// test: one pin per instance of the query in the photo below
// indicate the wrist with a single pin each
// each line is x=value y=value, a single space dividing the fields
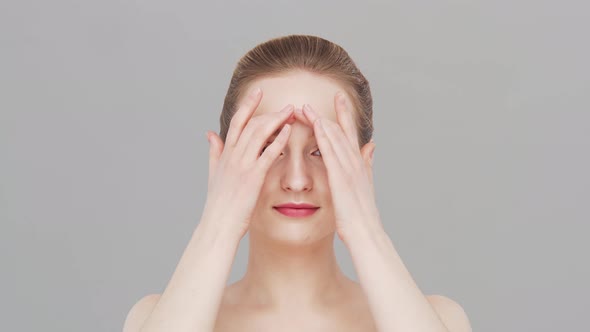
x=365 y=234
x=215 y=232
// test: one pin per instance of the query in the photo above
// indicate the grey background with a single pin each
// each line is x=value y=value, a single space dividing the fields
x=482 y=127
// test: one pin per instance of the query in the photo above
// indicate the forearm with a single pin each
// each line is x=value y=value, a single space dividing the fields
x=395 y=300
x=193 y=295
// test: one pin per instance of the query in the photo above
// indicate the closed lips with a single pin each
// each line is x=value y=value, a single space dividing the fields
x=297 y=206
x=296 y=210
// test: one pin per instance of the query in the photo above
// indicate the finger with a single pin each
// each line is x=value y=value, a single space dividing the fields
x=370 y=175
x=215 y=149
x=298 y=115
x=328 y=155
x=274 y=149
x=367 y=152
x=344 y=114
x=292 y=118
x=310 y=114
x=339 y=142
x=369 y=168
x=242 y=115
x=259 y=130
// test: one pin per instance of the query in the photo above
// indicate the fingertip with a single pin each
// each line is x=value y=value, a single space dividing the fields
x=301 y=117
x=340 y=99
x=291 y=119
x=286 y=128
x=309 y=113
x=318 y=122
x=287 y=109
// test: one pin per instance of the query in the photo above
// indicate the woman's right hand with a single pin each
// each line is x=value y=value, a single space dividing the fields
x=237 y=169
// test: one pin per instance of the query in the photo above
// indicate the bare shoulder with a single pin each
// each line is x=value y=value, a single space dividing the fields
x=139 y=312
x=451 y=313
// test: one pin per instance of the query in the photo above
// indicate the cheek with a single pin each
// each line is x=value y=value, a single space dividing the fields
x=317 y=166
x=320 y=172
x=271 y=184
x=322 y=186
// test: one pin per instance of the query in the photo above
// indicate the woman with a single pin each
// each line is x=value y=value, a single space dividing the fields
x=292 y=165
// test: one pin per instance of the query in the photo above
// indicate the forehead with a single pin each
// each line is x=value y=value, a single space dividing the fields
x=297 y=88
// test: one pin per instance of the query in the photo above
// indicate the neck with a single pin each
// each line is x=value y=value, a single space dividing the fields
x=292 y=276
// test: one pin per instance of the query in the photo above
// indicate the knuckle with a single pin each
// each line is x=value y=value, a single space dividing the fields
x=233 y=163
x=254 y=121
x=349 y=179
x=260 y=134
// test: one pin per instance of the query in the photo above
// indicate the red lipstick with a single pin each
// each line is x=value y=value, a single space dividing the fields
x=296 y=210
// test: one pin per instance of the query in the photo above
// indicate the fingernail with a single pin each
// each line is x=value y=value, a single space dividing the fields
x=256 y=92
x=287 y=108
x=298 y=110
x=319 y=122
x=208 y=139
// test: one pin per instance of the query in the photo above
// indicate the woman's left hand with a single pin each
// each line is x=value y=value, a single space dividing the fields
x=349 y=169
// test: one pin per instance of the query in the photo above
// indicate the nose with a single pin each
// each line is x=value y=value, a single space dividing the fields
x=296 y=175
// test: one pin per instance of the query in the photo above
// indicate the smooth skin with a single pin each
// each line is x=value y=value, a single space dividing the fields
x=293 y=282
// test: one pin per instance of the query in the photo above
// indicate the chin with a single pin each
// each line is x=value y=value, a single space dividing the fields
x=292 y=231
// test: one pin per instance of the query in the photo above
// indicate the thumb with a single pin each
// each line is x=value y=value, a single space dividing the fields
x=215 y=149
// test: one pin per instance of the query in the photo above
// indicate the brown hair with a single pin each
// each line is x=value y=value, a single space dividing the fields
x=301 y=52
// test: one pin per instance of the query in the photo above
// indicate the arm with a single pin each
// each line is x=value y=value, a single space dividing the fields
x=395 y=300
x=139 y=312
x=191 y=300
x=193 y=296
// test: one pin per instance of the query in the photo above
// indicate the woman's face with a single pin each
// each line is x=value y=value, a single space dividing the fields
x=298 y=175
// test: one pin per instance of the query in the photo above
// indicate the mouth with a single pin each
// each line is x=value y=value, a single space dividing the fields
x=295 y=212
